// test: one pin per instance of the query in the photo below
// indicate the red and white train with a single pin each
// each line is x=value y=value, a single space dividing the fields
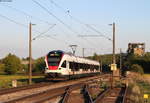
x=63 y=65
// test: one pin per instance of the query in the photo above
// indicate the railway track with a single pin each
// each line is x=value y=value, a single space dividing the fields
x=19 y=92
x=16 y=89
x=46 y=95
x=115 y=95
x=37 y=85
x=112 y=95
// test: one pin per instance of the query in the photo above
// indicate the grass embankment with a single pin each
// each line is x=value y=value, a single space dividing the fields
x=145 y=85
x=6 y=80
x=145 y=89
x=138 y=86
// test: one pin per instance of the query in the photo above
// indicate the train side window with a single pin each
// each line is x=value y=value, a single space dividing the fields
x=71 y=65
x=64 y=64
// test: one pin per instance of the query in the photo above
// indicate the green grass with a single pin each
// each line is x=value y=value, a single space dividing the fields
x=6 y=80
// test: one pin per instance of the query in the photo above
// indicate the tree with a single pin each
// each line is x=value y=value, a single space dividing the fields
x=12 y=64
x=39 y=65
x=2 y=68
x=96 y=57
x=137 y=68
x=106 y=60
x=143 y=61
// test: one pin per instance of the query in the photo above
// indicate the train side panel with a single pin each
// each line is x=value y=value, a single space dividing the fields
x=71 y=66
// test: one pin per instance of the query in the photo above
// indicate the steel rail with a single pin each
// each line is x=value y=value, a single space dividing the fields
x=102 y=95
x=125 y=95
x=88 y=80
x=66 y=96
x=87 y=95
x=16 y=89
x=51 y=93
x=121 y=97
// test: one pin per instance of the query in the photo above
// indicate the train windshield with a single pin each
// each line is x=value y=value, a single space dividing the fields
x=54 y=58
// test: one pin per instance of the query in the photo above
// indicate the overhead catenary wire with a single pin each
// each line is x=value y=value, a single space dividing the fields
x=40 y=33
x=5 y=17
x=51 y=14
x=59 y=40
x=79 y=21
x=43 y=32
x=82 y=23
x=75 y=19
x=66 y=11
x=26 y=26
x=51 y=1
x=98 y=32
x=26 y=14
x=23 y=25
x=67 y=26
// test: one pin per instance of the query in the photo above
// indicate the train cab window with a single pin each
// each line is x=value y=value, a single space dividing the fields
x=64 y=64
x=53 y=63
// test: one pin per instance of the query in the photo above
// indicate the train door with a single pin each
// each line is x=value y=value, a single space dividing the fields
x=68 y=69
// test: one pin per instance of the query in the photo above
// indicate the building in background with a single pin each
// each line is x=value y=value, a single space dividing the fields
x=136 y=48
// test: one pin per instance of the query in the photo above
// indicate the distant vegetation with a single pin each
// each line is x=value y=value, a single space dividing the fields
x=137 y=68
x=129 y=62
x=12 y=64
x=39 y=65
x=106 y=60
x=143 y=61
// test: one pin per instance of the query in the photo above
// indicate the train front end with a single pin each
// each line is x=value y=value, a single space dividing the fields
x=53 y=60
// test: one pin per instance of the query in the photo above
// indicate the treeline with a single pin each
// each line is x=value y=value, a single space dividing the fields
x=143 y=62
x=11 y=64
x=130 y=62
x=105 y=60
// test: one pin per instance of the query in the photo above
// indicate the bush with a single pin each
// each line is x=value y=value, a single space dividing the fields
x=39 y=65
x=12 y=64
x=137 y=68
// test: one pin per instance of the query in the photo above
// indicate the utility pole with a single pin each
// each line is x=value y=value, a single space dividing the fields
x=30 y=53
x=113 y=65
x=114 y=58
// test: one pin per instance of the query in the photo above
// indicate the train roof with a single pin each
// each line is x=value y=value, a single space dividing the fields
x=59 y=51
x=72 y=56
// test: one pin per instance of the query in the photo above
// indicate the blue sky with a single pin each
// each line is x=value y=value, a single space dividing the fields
x=132 y=20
